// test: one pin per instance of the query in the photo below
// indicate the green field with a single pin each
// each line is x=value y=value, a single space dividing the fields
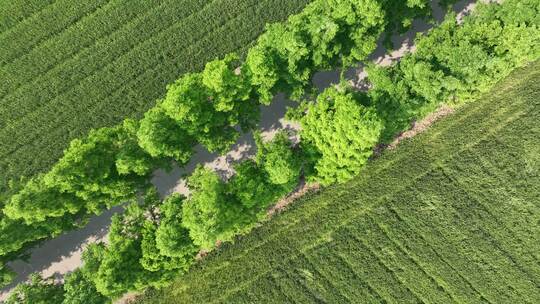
x=450 y=216
x=68 y=66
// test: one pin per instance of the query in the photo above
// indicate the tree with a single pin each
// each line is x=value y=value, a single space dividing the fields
x=278 y=158
x=340 y=32
x=211 y=214
x=117 y=266
x=37 y=291
x=209 y=104
x=400 y=15
x=251 y=187
x=343 y=130
x=162 y=136
x=279 y=62
x=166 y=245
x=79 y=289
x=172 y=239
x=324 y=35
x=103 y=170
x=36 y=202
x=89 y=170
x=164 y=268
x=132 y=260
x=230 y=91
x=455 y=63
x=92 y=257
x=119 y=270
x=131 y=158
x=16 y=235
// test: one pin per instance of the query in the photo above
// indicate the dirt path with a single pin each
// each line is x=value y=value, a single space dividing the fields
x=63 y=254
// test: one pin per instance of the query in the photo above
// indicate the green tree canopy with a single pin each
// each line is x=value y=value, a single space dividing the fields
x=16 y=235
x=172 y=239
x=251 y=187
x=211 y=214
x=456 y=62
x=36 y=202
x=6 y=275
x=208 y=105
x=99 y=170
x=117 y=263
x=279 y=159
x=343 y=131
x=162 y=136
x=132 y=260
x=80 y=289
x=324 y=35
x=37 y=291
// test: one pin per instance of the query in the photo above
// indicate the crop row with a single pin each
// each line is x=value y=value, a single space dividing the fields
x=122 y=74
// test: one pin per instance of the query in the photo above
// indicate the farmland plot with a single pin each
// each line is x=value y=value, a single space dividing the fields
x=449 y=216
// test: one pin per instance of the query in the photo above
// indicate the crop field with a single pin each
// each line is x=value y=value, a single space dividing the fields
x=449 y=216
x=68 y=66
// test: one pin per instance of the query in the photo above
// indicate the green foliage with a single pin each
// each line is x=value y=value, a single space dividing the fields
x=400 y=14
x=420 y=224
x=118 y=268
x=103 y=170
x=111 y=164
x=37 y=291
x=279 y=160
x=151 y=242
x=208 y=105
x=323 y=35
x=251 y=187
x=131 y=159
x=343 y=131
x=36 y=202
x=6 y=275
x=172 y=239
x=211 y=214
x=161 y=136
x=79 y=289
x=88 y=169
x=166 y=245
x=219 y=210
x=133 y=259
x=17 y=236
x=456 y=63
